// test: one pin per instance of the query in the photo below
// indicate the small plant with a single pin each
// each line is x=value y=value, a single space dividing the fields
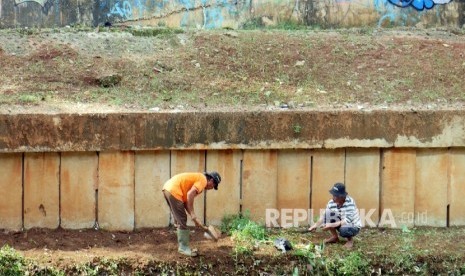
x=27 y=31
x=353 y=264
x=312 y=256
x=246 y=233
x=252 y=24
x=230 y=223
x=11 y=262
x=150 y=32
x=28 y=98
x=289 y=25
x=297 y=128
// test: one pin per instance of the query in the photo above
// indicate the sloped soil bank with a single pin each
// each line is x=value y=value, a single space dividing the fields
x=154 y=252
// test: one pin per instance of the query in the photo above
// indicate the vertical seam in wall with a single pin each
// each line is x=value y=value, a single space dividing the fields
x=415 y=207
x=345 y=167
x=59 y=190
x=276 y=176
x=134 y=189
x=169 y=172
x=205 y=194
x=311 y=189
x=22 y=190
x=240 y=181
x=96 y=224
x=449 y=179
x=380 y=181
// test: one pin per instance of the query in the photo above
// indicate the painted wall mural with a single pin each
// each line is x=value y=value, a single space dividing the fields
x=418 y=4
x=390 y=14
x=44 y=4
x=212 y=14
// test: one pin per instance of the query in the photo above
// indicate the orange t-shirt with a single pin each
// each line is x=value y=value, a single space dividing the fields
x=181 y=183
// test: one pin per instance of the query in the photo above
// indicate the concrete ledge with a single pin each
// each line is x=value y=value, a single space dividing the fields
x=231 y=130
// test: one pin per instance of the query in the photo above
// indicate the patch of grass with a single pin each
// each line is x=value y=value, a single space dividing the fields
x=355 y=263
x=246 y=233
x=252 y=24
x=311 y=255
x=150 y=32
x=27 y=31
x=289 y=25
x=11 y=262
x=100 y=266
x=29 y=98
x=233 y=222
x=257 y=67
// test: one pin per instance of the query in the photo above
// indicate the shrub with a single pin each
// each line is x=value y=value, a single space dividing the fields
x=11 y=262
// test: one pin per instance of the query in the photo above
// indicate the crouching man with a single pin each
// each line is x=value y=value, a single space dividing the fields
x=341 y=215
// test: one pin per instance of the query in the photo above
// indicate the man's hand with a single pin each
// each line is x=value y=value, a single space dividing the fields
x=197 y=222
x=328 y=226
x=313 y=228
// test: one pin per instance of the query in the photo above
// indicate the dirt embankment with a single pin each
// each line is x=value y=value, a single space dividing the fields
x=117 y=69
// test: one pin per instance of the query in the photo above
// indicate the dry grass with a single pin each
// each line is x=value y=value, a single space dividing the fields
x=242 y=69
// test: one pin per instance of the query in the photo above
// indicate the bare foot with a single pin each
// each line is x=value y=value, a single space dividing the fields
x=349 y=244
x=333 y=239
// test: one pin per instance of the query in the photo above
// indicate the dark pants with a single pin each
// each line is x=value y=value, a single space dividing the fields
x=346 y=231
x=177 y=210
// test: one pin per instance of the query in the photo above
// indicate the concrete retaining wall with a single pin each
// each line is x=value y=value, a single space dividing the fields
x=230 y=130
x=211 y=14
x=106 y=170
x=122 y=192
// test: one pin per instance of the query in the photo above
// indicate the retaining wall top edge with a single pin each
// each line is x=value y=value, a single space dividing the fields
x=232 y=130
x=252 y=111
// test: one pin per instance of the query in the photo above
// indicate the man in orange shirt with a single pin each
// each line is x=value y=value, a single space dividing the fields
x=180 y=192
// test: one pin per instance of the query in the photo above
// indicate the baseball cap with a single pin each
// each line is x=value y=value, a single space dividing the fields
x=216 y=178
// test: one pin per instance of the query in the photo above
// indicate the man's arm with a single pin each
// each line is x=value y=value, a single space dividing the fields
x=335 y=224
x=316 y=225
x=190 y=205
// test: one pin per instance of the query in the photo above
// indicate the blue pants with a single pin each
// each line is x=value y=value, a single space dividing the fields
x=345 y=231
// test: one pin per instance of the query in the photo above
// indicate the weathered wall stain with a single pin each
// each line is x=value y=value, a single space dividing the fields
x=45 y=4
x=211 y=14
x=230 y=130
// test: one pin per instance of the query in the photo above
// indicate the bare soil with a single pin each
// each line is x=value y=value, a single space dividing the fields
x=154 y=251
x=69 y=248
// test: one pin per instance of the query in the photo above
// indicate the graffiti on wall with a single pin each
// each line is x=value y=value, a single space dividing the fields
x=213 y=11
x=212 y=14
x=409 y=15
x=45 y=4
x=121 y=10
x=418 y=4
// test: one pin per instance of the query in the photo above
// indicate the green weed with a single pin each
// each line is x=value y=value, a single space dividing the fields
x=234 y=222
x=355 y=263
x=311 y=255
x=297 y=128
x=11 y=262
x=252 y=24
x=246 y=233
x=150 y=32
x=29 y=98
x=289 y=25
